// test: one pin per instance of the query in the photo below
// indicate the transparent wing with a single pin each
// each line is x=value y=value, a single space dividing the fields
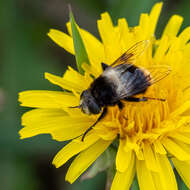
x=132 y=53
x=157 y=73
x=143 y=79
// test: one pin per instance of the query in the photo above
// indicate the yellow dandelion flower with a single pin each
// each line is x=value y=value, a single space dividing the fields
x=155 y=134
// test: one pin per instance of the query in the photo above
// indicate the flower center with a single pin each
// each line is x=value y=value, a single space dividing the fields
x=145 y=116
x=142 y=121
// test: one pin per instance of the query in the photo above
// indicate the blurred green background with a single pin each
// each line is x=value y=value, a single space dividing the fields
x=26 y=53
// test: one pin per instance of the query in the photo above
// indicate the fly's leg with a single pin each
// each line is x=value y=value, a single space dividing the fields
x=149 y=98
x=134 y=99
x=120 y=105
x=143 y=99
x=91 y=127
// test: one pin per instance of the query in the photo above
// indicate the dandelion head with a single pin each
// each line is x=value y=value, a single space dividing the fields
x=149 y=135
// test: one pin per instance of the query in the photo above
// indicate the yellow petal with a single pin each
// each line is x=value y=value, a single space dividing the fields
x=144 y=24
x=139 y=154
x=85 y=159
x=123 y=180
x=110 y=37
x=78 y=80
x=123 y=158
x=157 y=181
x=159 y=148
x=173 y=26
x=132 y=144
x=54 y=121
x=126 y=37
x=106 y=134
x=183 y=124
x=123 y=26
x=161 y=50
x=175 y=149
x=166 y=174
x=163 y=179
x=183 y=169
x=150 y=159
x=72 y=149
x=184 y=36
x=66 y=82
x=91 y=70
x=154 y=15
x=183 y=146
x=69 y=133
x=181 y=137
x=62 y=82
x=47 y=99
x=106 y=28
x=62 y=40
x=144 y=176
x=182 y=109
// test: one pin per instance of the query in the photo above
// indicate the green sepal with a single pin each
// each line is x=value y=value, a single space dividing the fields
x=104 y=163
x=181 y=185
x=80 y=51
x=135 y=185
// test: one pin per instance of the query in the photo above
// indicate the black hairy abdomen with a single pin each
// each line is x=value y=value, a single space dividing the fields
x=103 y=91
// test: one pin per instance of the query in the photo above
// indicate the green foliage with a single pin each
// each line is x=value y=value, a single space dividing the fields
x=80 y=51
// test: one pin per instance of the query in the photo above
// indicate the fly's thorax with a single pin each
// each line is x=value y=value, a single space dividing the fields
x=103 y=90
x=117 y=78
x=112 y=76
x=88 y=103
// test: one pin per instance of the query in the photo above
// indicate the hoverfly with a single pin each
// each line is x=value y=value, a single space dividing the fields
x=120 y=81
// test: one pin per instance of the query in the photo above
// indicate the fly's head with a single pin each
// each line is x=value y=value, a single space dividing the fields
x=88 y=104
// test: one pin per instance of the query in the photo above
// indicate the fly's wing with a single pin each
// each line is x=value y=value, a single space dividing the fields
x=141 y=79
x=132 y=54
x=158 y=72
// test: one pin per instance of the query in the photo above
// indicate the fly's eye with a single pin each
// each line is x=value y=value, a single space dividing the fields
x=94 y=108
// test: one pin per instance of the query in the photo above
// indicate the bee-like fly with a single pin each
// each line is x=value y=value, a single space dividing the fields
x=120 y=81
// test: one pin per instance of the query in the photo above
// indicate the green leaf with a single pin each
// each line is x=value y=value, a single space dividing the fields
x=135 y=185
x=80 y=51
